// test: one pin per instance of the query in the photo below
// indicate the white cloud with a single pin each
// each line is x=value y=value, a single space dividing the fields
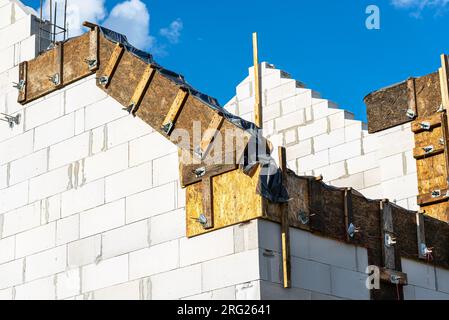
x=129 y=17
x=133 y=19
x=173 y=31
x=417 y=6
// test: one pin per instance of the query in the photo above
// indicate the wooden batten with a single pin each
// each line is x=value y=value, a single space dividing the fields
x=174 y=112
x=388 y=236
x=139 y=92
x=444 y=81
x=285 y=225
x=22 y=85
x=93 y=61
x=112 y=64
x=210 y=134
x=426 y=124
x=348 y=212
x=421 y=235
x=208 y=203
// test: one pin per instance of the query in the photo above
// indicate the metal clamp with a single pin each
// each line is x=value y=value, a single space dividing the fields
x=428 y=149
x=395 y=279
x=131 y=109
x=425 y=126
x=12 y=120
x=411 y=114
x=103 y=80
x=436 y=194
x=389 y=240
x=55 y=79
x=92 y=63
x=303 y=218
x=167 y=128
x=198 y=152
x=200 y=172
x=20 y=85
x=352 y=230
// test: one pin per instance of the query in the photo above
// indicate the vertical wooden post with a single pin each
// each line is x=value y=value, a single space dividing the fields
x=444 y=72
x=285 y=228
x=258 y=103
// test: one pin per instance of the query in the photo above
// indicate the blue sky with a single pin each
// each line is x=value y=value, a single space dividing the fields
x=323 y=43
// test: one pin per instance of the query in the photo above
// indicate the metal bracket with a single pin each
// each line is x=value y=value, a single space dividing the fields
x=436 y=193
x=428 y=149
x=92 y=63
x=411 y=114
x=425 y=126
x=200 y=172
x=103 y=80
x=55 y=79
x=389 y=240
x=353 y=230
x=12 y=120
x=167 y=128
x=20 y=85
x=303 y=218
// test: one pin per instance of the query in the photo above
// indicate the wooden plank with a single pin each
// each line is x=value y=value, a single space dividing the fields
x=57 y=76
x=348 y=212
x=175 y=110
x=208 y=205
x=445 y=127
x=387 y=232
x=113 y=62
x=427 y=151
x=258 y=115
x=444 y=82
x=426 y=124
x=285 y=226
x=210 y=134
x=412 y=107
x=421 y=235
x=432 y=198
x=93 y=59
x=189 y=173
x=22 y=85
x=140 y=90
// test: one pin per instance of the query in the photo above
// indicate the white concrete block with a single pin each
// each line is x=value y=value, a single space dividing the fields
x=67 y=230
x=372 y=177
x=396 y=142
x=79 y=121
x=102 y=112
x=337 y=120
x=12 y=273
x=6 y=132
x=69 y=151
x=100 y=219
x=227 y=271
x=272 y=111
x=27 y=49
x=153 y=260
x=349 y=284
x=374 y=192
x=3 y=176
x=15 y=32
x=150 y=203
x=106 y=163
x=105 y=274
x=83 y=94
x=7 y=294
x=363 y=163
x=125 y=239
x=286 y=90
x=42 y=289
x=246 y=106
x=347 y=151
x=409 y=163
x=401 y=188
x=165 y=169
x=216 y=295
x=316 y=128
x=329 y=140
x=314 y=161
x=392 y=167
x=244 y=90
x=168 y=226
x=126 y=129
x=45 y=135
x=50 y=183
x=370 y=143
x=84 y=198
x=290 y=137
x=332 y=171
x=5 y=14
x=36 y=240
x=353 y=131
x=332 y=252
x=84 y=252
x=248 y=291
x=311 y=275
x=149 y=147
x=44 y=111
x=302 y=149
x=6 y=58
x=206 y=247
x=362 y=259
x=291 y=120
x=14 y=197
x=299 y=243
x=7 y=249
x=165 y=286
x=419 y=274
x=124 y=291
x=16 y=147
x=354 y=181
x=21 y=219
x=274 y=291
x=28 y=167
x=68 y=284
x=46 y=263
x=442 y=277
x=98 y=140
x=128 y=182
x=426 y=294
x=246 y=236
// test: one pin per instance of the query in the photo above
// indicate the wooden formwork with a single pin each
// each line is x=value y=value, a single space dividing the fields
x=223 y=193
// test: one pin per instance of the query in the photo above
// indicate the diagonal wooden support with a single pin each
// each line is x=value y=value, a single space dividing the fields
x=140 y=90
x=113 y=62
x=285 y=227
x=209 y=135
x=175 y=110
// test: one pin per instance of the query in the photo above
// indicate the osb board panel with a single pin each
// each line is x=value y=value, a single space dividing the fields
x=234 y=201
x=438 y=211
x=437 y=237
x=75 y=52
x=428 y=94
x=429 y=138
x=44 y=66
x=387 y=108
x=431 y=174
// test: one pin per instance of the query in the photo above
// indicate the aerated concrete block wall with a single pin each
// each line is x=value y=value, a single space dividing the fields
x=322 y=139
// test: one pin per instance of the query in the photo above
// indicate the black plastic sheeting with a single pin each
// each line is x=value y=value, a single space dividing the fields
x=270 y=179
